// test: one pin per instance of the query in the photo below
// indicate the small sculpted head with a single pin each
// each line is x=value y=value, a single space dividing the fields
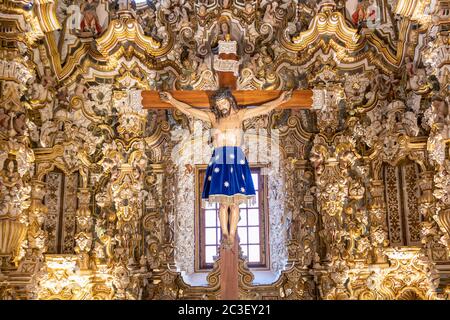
x=223 y=103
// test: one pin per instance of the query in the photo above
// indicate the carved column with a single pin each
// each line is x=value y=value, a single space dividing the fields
x=83 y=238
x=16 y=157
x=378 y=227
x=299 y=201
x=38 y=211
x=435 y=58
x=442 y=194
x=126 y=160
x=429 y=229
x=443 y=218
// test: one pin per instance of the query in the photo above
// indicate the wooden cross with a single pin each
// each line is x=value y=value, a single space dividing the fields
x=228 y=258
x=226 y=64
x=301 y=99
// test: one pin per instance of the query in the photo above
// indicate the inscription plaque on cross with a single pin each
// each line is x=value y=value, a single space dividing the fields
x=226 y=65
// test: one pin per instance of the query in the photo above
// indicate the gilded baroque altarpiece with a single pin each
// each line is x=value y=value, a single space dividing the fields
x=97 y=194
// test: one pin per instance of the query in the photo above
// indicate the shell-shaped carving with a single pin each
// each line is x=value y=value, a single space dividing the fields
x=444 y=219
x=128 y=30
x=11 y=235
x=409 y=294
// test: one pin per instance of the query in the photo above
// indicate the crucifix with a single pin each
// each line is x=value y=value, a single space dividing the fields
x=228 y=180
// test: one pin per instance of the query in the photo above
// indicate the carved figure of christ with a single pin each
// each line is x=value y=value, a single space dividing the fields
x=228 y=180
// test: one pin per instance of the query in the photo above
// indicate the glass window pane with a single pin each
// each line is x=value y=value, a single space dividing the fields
x=255 y=180
x=244 y=251
x=253 y=235
x=255 y=203
x=253 y=217
x=210 y=218
x=242 y=232
x=249 y=216
x=210 y=252
x=253 y=253
x=210 y=236
x=243 y=218
x=219 y=235
x=210 y=205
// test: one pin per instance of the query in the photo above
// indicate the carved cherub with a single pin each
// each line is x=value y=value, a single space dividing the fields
x=20 y=124
x=262 y=61
x=190 y=64
x=63 y=97
x=10 y=177
x=81 y=88
x=410 y=67
x=442 y=116
x=440 y=109
x=47 y=80
x=381 y=83
x=4 y=120
x=38 y=92
x=317 y=160
x=419 y=79
x=202 y=11
x=269 y=13
x=248 y=8
x=226 y=4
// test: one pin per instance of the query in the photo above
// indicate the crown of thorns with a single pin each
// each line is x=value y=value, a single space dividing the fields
x=223 y=94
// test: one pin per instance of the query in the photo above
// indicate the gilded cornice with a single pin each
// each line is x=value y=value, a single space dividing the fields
x=85 y=58
x=45 y=11
x=411 y=8
x=73 y=59
x=91 y=66
x=26 y=27
x=342 y=55
x=326 y=23
x=345 y=41
x=40 y=19
x=126 y=30
x=414 y=148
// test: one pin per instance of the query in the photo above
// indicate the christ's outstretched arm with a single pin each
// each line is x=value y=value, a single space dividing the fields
x=185 y=108
x=267 y=107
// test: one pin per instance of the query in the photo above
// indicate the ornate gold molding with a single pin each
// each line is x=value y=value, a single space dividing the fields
x=344 y=40
x=326 y=23
x=46 y=14
x=126 y=30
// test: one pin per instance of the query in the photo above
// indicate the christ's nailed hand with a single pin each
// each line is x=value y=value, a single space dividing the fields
x=286 y=95
x=165 y=96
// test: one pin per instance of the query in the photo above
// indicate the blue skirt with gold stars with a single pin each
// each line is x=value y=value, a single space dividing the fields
x=228 y=178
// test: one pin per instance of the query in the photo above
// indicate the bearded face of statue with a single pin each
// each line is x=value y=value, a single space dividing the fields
x=224 y=107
